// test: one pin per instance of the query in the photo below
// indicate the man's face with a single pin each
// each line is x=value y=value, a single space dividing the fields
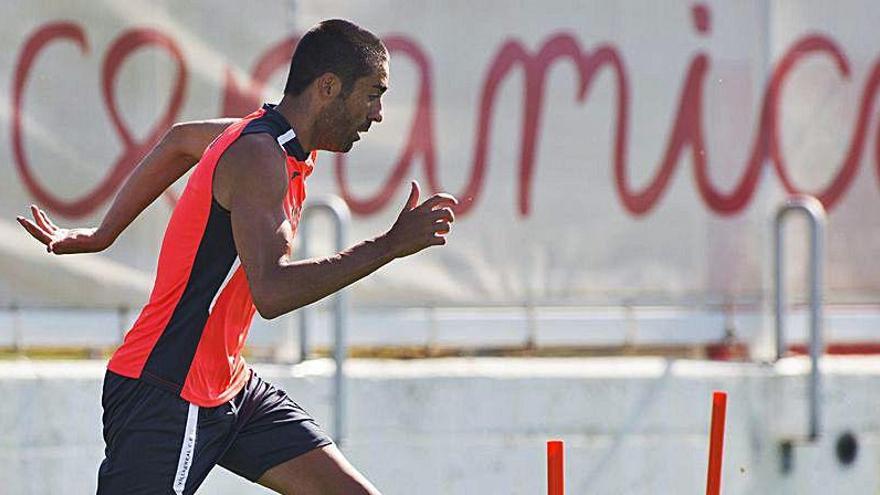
x=346 y=117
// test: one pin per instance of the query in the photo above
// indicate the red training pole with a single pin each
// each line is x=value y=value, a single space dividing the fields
x=716 y=443
x=555 y=468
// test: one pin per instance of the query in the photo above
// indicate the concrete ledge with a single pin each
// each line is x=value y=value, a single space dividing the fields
x=478 y=425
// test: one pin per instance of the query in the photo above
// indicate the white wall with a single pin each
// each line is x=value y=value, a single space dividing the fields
x=478 y=426
x=581 y=238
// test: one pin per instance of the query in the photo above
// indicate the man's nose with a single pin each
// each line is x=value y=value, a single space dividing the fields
x=376 y=112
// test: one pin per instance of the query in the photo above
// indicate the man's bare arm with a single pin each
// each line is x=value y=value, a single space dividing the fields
x=176 y=153
x=251 y=181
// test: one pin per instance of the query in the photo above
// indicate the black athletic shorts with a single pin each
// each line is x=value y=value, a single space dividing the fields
x=158 y=443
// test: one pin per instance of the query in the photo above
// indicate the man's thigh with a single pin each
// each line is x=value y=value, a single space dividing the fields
x=323 y=471
x=280 y=446
x=270 y=429
x=155 y=441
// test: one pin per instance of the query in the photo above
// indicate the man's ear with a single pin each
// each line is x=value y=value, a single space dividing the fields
x=329 y=86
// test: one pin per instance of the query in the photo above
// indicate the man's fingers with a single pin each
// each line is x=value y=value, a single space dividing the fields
x=437 y=240
x=47 y=220
x=439 y=200
x=442 y=227
x=34 y=230
x=35 y=212
x=444 y=214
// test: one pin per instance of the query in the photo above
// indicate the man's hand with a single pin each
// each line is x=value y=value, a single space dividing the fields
x=63 y=241
x=422 y=226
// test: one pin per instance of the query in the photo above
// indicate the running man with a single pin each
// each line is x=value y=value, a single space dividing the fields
x=178 y=397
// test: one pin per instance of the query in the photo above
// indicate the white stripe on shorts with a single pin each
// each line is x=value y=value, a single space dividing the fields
x=187 y=450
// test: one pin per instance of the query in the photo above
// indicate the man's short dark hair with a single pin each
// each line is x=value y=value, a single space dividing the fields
x=336 y=46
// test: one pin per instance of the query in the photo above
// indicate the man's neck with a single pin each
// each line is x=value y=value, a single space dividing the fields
x=296 y=110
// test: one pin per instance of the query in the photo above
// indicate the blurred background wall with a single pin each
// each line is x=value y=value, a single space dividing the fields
x=605 y=152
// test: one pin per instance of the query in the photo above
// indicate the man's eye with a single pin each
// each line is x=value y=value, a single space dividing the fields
x=375 y=97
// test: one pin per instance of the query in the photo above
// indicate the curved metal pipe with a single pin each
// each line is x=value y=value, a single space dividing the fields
x=341 y=215
x=817 y=217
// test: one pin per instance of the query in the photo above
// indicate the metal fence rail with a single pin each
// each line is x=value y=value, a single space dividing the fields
x=339 y=212
x=815 y=213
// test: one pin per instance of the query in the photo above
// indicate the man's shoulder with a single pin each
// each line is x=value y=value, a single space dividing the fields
x=253 y=147
x=252 y=164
